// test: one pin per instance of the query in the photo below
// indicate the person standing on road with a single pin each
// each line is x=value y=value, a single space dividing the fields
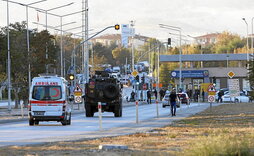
x=162 y=94
x=155 y=94
x=203 y=95
x=172 y=98
x=148 y=93
x=220 y=94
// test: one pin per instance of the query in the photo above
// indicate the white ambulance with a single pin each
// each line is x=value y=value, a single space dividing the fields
x=48 y=100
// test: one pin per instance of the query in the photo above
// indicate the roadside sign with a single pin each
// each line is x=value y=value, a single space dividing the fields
x=211 y=98
x=134 y=73
x=77 y=88
x=211 y=89
x=233 y=87
x=77 y=93
x=78 y=99
x=231 y=74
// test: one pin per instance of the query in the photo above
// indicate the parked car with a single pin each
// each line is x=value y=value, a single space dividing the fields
x=241 y=98
x=184 y=98
x=165 y=101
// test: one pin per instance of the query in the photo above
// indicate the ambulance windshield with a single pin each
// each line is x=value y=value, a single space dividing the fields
x=45 y=93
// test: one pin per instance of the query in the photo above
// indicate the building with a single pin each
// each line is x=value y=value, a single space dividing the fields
x=109 y=39
x=207 y=39
x=192 y=78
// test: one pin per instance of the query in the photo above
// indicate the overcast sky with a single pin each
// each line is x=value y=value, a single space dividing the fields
x=195 y=17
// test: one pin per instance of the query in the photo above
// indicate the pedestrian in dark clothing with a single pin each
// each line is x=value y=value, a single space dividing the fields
x=162 y=94
x=148 y=93
x=132 y=96
x=220 y=94
x=155 y=94
x=172 y=98
x=203 y=95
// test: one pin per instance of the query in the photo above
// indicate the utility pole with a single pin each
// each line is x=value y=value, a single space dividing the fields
x=132 y=44
x=86 y=43
x=9 y=59
x=83 y=38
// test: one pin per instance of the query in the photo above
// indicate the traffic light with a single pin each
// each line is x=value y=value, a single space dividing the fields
x=71 y=76
x=137 y=78
x=169 y=41
x=117 y=26
x=214 y=80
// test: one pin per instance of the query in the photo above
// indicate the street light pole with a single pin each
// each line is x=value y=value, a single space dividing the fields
x=27 y=34
x=252 y=36
x=46 y=22
x=247 y=39
x=132 y=45
x=61 y=38
x=9 y=59
x=86 y=50
x=28 y=42
x=178 y=29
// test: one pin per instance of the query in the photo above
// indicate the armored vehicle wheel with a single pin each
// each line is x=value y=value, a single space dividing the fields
x=118 y=111
x=36 y=122
x=31 y=122
x=111 y=91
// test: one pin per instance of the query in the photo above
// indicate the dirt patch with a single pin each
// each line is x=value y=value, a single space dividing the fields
x=232 y=123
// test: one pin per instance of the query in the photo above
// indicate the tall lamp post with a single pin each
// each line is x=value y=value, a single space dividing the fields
x=247 y=49
x=132 y=44
x=46 y=22
x=27 y=36
x=252 y=36
x=178 y=29
x=9 y=58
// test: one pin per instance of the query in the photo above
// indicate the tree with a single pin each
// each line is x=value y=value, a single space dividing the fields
x=39 y=42
x=106 y=52
x=120 y=55
x=227 y=43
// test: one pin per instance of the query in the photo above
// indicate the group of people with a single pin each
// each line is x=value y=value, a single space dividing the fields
x=162 y=92
x=196 y=95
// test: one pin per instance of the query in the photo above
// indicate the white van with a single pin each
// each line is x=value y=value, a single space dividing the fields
x=48 y=100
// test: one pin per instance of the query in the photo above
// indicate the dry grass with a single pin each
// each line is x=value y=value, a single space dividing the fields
x=226 y=130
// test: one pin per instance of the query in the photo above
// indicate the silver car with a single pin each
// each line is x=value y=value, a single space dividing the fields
x=166 y=102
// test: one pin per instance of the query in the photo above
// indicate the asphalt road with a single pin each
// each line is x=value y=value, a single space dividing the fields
x=20 y=133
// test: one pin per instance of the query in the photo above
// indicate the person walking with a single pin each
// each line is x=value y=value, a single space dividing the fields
x=220 y=94
x=148 y=93
x=161 y=92
x=155 y=94
x=172 y=98
x=203 y=95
